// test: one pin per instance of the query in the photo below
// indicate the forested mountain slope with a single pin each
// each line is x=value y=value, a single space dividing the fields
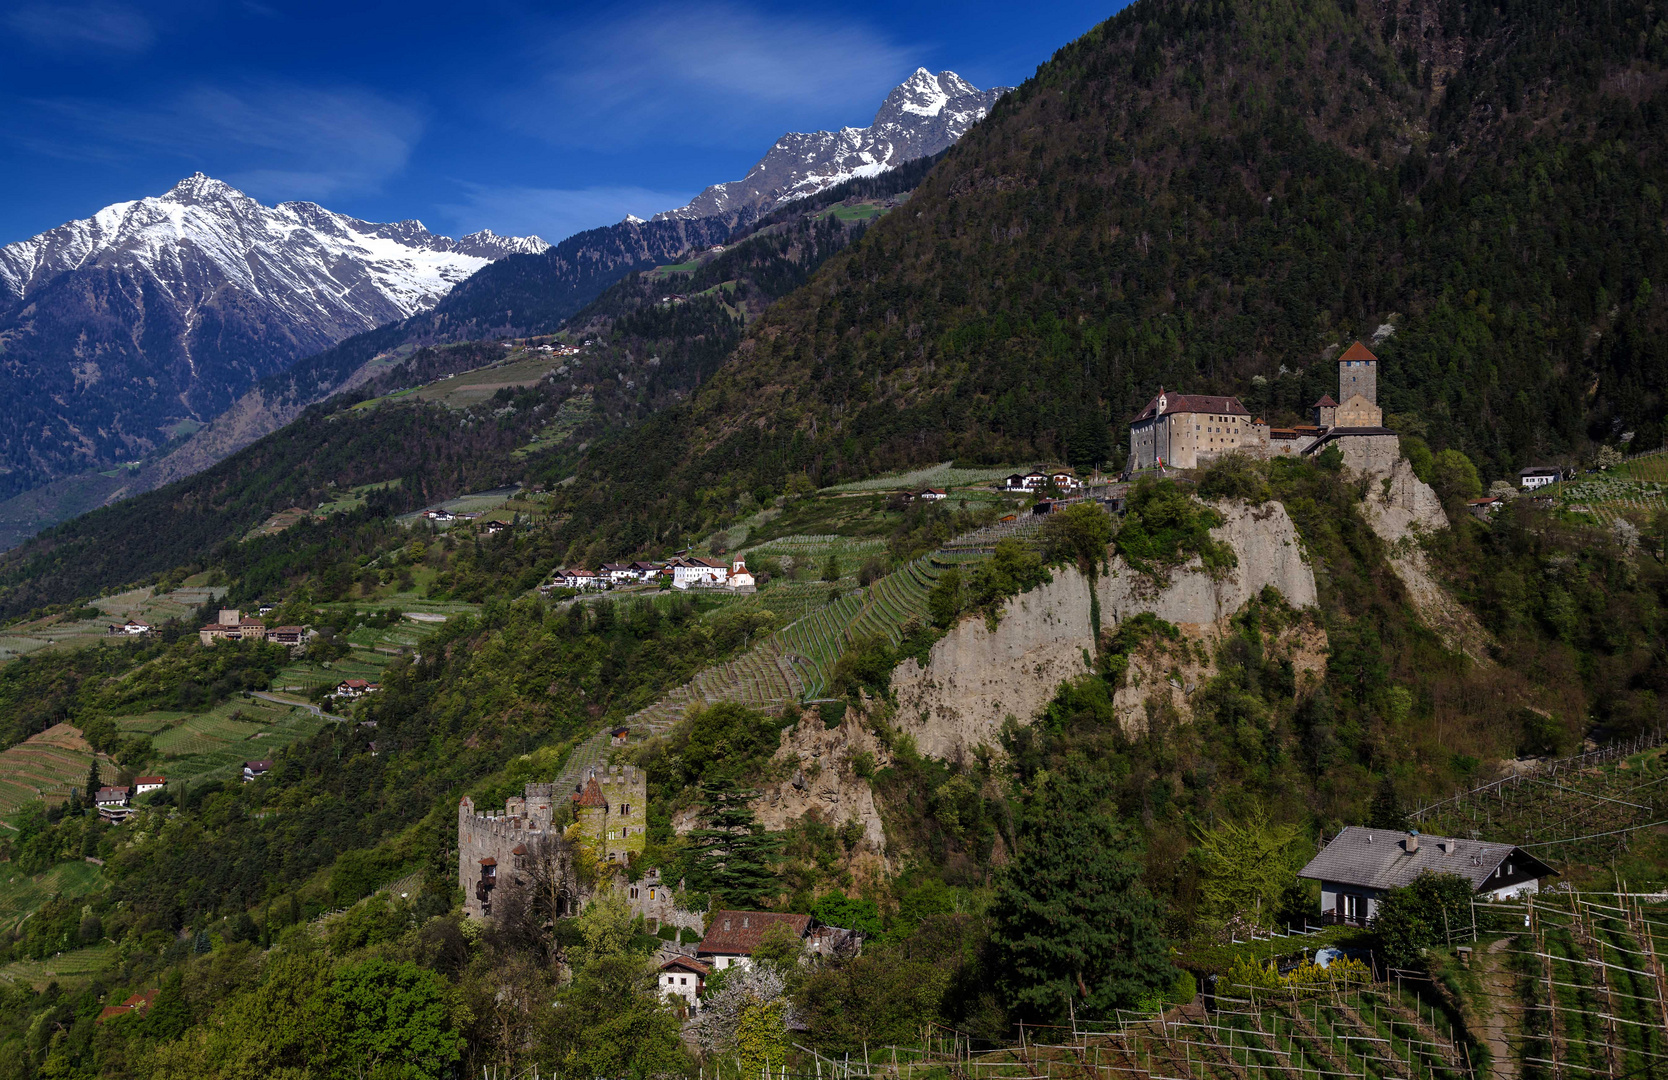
x=1218 y=197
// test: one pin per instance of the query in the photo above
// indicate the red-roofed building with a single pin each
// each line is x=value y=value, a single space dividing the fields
x=733 y=935
x=135 y=1004
x=1358 y=390
x=1324 y=412
x=1185 y=430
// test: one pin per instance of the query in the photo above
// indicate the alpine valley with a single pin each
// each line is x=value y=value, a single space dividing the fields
x=1157 y=572
x=128 y=333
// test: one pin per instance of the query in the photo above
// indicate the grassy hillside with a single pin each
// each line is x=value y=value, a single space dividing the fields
x=1218 y=197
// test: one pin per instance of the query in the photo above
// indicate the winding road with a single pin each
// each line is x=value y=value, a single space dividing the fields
x=314 y=709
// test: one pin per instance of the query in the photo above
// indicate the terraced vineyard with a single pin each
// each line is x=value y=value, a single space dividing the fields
x=1635 y=490
x=1371 y=1031
x=215 y=744
x=21 y=893
x=1578 y=808
x=1589 y=986
x=944 y=475
x=64 y=967
x=44 y=766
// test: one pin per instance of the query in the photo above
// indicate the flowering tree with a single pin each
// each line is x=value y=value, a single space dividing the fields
x=748 y=1016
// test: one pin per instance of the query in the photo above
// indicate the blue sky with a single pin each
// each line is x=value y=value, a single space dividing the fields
x=475 y=114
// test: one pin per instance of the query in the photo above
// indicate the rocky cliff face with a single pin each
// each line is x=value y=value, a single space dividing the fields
x=1401 y=508
x=975 y=678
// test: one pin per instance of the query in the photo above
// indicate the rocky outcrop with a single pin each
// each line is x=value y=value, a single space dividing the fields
x=822 y=780
x=1402 y=509
x=815 y=773
x=975 y=677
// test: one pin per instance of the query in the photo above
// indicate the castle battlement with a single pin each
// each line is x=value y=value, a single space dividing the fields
x=493 y=843
x=625 y=776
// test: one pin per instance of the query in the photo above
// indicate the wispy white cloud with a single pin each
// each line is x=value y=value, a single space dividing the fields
x=110 y=27
x=278 y=140
x=695 y=71
x=553 y=213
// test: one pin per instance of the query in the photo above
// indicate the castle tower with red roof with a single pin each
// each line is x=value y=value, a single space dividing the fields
x=1358 y=389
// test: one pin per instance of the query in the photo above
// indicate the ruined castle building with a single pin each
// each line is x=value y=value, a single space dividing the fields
x=492 y=847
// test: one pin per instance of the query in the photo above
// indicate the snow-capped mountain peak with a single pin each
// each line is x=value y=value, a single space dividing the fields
x=321 y=267
x=921 y=116
x=118 y=326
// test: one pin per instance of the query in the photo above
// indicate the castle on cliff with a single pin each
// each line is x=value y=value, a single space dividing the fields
x=610 y=812
x=1185 y=431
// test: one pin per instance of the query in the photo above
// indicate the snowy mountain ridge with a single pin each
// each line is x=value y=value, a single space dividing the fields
x=151 y=317
x=315 y=265
x=921 y=116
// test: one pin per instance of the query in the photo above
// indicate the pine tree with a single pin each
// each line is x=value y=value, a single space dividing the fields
x=1386 y=811
x=1071 y=921
x=733 y=854
x=93 y=783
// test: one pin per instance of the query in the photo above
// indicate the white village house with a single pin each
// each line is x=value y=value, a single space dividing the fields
x=696 y=570
x=685 y=978
x=1361 y=864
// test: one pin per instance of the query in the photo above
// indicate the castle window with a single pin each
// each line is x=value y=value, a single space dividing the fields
x=634 y=892
x=625 y=809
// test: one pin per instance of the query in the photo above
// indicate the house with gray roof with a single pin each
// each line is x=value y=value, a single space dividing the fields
x=1361 y=864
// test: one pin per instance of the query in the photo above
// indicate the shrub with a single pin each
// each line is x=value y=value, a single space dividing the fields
x=838 y=909
x=1165 y=528
x=1421 y=914
x=944 y=602
x=1235 y=476
x=867 y=665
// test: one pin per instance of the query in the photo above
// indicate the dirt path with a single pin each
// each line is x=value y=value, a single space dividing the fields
x=1497 y=992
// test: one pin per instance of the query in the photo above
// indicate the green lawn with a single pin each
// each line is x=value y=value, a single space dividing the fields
x=860 y=212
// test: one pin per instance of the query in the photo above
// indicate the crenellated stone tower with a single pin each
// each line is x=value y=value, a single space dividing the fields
x=611 y=811
x=491 y=846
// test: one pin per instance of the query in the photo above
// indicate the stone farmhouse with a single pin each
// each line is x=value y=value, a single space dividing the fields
x=1360 y=865
x=610 y=807
x=1185 y=431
